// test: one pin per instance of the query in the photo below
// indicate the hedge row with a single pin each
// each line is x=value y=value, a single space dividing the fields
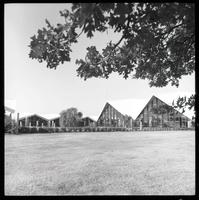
x=62 y=130
x=89 y=129
x=37 y=130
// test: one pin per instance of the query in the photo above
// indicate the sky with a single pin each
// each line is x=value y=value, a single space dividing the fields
x=31 y=87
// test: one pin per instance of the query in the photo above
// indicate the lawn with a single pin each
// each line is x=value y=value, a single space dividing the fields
x=103 y=163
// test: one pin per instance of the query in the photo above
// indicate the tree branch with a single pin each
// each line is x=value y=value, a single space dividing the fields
x=103 y=59
x=81 y=31
x=170 y=30
x=123 y=36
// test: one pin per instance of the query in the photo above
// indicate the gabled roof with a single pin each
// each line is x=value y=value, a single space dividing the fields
x=9 y=109
x=131 y=107
x=169 y=97
x=33 y=115
x=89 y=118
x=51 y=116
x=54 y=118
x=45 y=116
x=108 y=104
x=162 y=102
x=144 y=106
x=94 y=117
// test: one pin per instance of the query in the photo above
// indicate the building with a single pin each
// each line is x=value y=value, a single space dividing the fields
x=157 y=113
x=111 y=117
x=8 y=120
x=8 y=111
x=54 y=122
x=87 y=121
x=140 y=113
x=33 y=121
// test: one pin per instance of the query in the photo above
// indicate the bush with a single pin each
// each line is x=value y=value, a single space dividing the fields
x=7 y=127
x=63 y=129
x=60 y=130
x=66 y=129
x=56 y=130
x=33 y=130
x=43 y=130
x=51 y=130
x=9 y=124
x=23 y=130
x=38 y=130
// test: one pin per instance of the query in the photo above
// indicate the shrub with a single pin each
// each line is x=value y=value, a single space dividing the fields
x=33 y=130
x=63 y=129
x=60 y=130
x=56 y=130
x=23 y=130
x=43 y=130
x=51 y=130
x=103 y=129
x=40 y=129
x=66 y=129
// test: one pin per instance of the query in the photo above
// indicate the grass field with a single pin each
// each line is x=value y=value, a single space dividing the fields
x=111 y=163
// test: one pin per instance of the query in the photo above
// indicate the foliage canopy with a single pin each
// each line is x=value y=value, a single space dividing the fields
x=157 y=42
x=70 y=117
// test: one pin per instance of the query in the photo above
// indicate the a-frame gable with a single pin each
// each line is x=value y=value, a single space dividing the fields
x=172 y=108
x=106 y=106
x=154 y=97
x=145 y=106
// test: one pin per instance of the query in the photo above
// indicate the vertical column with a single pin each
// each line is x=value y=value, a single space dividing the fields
x=103 y=118
x=118 y=119
x=131 y=123
x=106 y=116
x=140 y=125
x=114 y=118
x=150 y=121
x=17 y=130
x=109 y=115
x=26 y=121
